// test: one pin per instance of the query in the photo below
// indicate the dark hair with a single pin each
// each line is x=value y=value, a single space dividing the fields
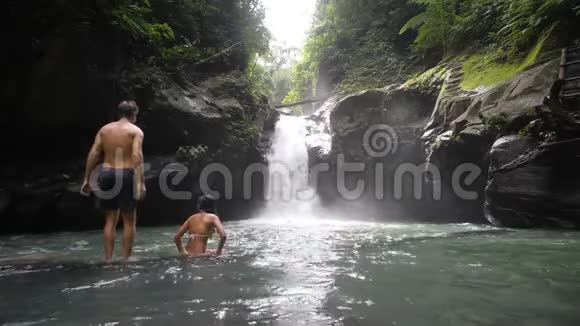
x=128 y=109
x=206 y=204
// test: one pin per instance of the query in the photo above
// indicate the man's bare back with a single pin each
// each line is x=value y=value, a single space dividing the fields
x=201 y=227
x=121 y=141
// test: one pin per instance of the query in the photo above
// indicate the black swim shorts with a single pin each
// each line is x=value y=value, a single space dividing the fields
x=116 y=189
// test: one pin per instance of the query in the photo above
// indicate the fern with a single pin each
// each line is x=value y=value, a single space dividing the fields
x=131 y=17
x=503 y=26
x=414 y=23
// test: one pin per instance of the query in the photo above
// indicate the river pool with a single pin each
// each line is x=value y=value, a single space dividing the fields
x=309 y=272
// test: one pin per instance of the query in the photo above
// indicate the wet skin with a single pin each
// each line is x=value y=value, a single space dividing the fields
x=201 y=227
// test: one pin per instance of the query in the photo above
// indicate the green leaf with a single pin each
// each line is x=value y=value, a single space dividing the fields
x=414 y=23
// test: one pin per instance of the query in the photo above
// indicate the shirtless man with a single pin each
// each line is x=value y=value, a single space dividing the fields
x=121 y=182
x=201 y=227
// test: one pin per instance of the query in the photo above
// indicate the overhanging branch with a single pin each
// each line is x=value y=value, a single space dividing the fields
x=307 y=101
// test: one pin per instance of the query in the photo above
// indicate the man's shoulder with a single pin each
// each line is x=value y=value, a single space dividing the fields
x=130 y=128
x=136 y=129
x=108 y=126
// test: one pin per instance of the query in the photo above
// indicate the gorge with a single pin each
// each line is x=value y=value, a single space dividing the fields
x=403 y=162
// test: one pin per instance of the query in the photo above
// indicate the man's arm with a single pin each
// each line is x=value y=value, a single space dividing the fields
x=92 y=161
x=137 y=157
x=182 y=230
x=222 y=234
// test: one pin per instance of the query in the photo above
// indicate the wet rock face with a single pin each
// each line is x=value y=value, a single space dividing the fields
x=350 y=118
x=531 y=186
x=346 y=121
x=341 y=128
x=179 y=116
x=514 y=194
x=462 y=164
x=520 y=182
x=43 y=196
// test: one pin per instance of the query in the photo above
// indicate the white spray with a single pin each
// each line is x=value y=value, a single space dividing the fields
x=288 y=192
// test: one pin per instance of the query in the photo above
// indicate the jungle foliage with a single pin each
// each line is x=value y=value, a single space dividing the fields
x=356 y=44
x=509 y=27
x=209 y=32
x=496 y=38
x=174 y=35
x=71 y=61
x=365 y=42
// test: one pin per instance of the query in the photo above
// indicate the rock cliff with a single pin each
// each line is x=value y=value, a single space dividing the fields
x=192 y=125
x=454 y=138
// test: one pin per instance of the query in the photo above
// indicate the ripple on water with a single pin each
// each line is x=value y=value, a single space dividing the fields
x=100 y=284
x=30 y=323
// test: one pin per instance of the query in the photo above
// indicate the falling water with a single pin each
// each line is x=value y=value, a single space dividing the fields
x=288 y=192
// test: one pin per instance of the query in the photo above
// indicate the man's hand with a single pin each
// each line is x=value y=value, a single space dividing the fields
x=86 y=188
x=94 y=157
x=141 y=191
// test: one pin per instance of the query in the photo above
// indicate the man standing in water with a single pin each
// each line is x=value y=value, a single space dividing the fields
x=121 y=181
x=201 y=227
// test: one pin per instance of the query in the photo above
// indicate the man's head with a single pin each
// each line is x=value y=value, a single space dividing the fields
x=129 y=110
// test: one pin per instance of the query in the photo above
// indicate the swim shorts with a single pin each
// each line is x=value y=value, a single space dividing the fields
x=116 y=189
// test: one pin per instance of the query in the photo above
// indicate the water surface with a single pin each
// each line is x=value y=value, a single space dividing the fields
x=308 y=272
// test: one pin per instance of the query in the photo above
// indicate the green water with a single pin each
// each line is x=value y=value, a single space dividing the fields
x=307 y=272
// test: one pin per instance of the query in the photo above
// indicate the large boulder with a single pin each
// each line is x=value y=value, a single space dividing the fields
x=344 y=121
x=379 y=128
x=233 y=92
x=464 y=112
x=179 y=116
x=176 y=114
x=533 y=185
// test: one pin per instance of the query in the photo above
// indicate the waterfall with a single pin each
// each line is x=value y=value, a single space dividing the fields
x=288 y=192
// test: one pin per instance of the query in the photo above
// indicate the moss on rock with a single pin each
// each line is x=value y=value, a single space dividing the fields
x=482 y=70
